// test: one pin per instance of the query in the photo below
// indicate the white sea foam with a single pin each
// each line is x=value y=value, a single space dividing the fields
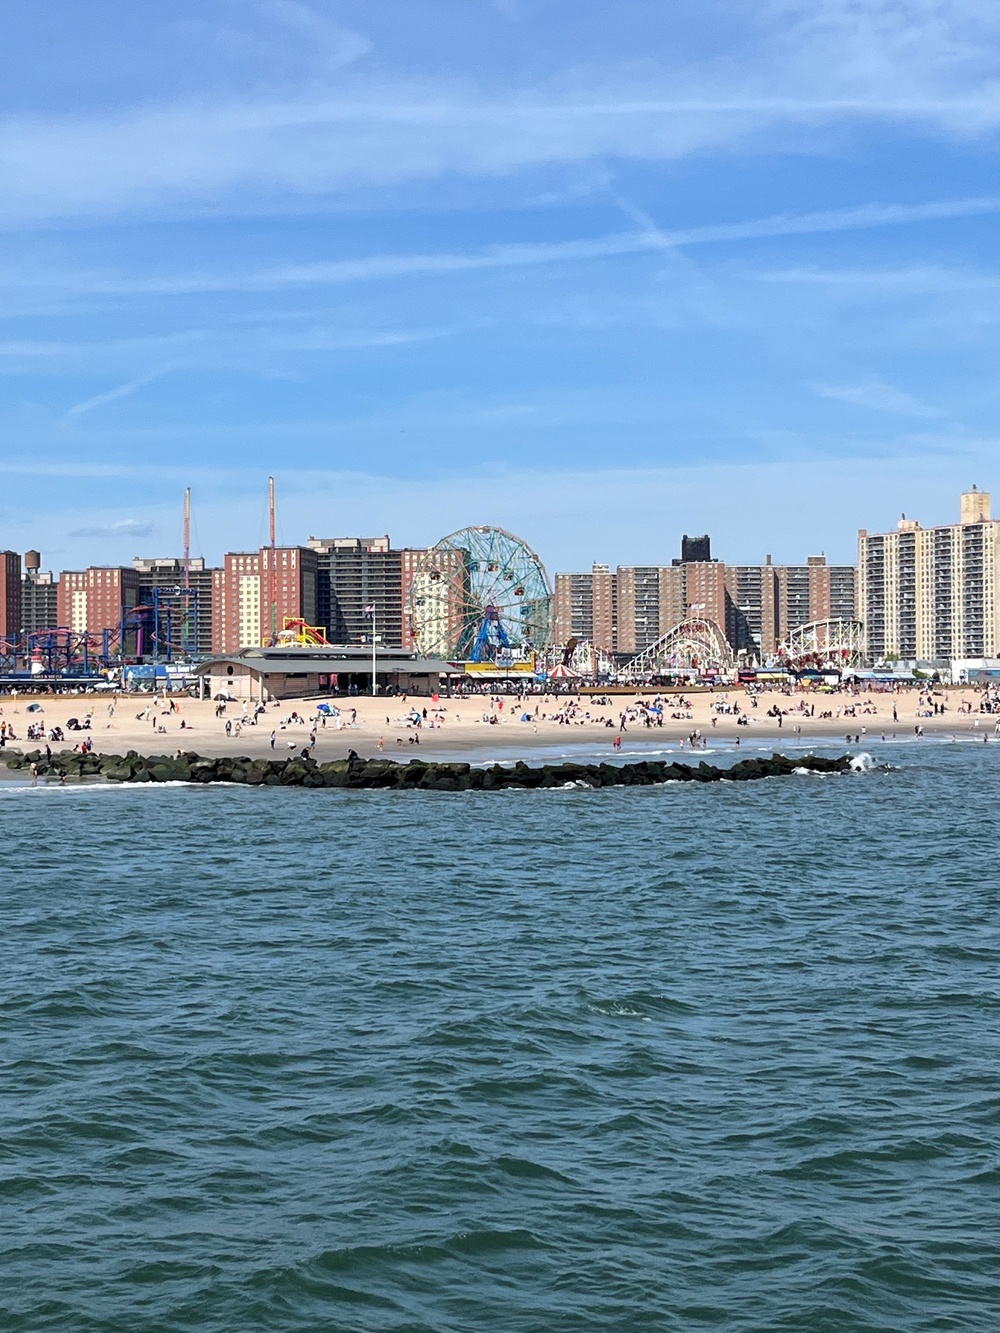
x=21 y=788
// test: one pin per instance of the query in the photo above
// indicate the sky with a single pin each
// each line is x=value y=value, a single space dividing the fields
x=599 y=274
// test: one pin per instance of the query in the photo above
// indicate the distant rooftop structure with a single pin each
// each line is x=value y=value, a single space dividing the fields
x=350 y=543
x=976 y=506
x=695 y=550
x=167 y=564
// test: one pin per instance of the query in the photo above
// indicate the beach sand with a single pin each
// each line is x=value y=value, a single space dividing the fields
x=460 y=726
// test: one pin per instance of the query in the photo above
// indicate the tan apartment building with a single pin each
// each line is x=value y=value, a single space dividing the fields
x=929 y=594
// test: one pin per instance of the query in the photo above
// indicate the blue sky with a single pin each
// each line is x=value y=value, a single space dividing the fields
x=598 y=273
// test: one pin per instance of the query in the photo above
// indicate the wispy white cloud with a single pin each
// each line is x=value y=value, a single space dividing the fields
x=43 y=348
x=878 y=396
x=371 y=268
x=507 y=8
x=917 y=278
x=336 y=46
x=126 y=527
x=112 y=395
x=797 y=65
x=322 y=338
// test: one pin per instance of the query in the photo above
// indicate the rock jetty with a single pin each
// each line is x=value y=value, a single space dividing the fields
x=356 y=773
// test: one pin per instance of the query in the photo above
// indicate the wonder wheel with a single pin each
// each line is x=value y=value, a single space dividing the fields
x=480 y=595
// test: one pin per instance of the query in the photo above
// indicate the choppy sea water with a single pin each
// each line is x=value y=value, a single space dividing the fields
x=665 y=1058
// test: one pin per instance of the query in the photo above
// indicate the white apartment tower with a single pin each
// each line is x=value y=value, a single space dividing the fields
x=931 y=593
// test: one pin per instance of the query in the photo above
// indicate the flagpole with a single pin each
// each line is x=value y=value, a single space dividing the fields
x=374 y=666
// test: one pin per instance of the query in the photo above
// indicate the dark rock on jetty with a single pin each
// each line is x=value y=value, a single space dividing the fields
x=367 y=773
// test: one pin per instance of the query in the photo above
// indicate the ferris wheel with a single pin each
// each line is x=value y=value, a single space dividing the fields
x=480 y=595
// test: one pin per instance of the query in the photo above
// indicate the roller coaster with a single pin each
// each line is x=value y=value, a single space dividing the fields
x=579 y=659
x=160 y=630
x=695 y=644
x=836 y=643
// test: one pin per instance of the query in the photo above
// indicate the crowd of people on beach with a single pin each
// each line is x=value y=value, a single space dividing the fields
x=693 y=715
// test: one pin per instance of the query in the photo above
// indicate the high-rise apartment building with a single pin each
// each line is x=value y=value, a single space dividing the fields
x=39 y=596
x=932 y=593
x=652 y=599
x=767 y=602
x=832 y=590
x=100 y=598
x=752 y=608
x=586 y=608
x=190 y=627
x=10 y=593
x=646 y=596
x=604 y=608
x=256 y=591
x=756 y=606
x=705 y=591
x=793 y=598
x=573 y=608
x=354 y=573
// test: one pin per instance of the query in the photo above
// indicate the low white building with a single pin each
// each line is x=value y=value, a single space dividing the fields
x=974 y=670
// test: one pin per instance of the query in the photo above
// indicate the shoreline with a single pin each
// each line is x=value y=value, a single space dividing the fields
x=456 y=727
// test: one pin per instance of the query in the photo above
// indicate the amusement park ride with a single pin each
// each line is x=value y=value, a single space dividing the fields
x=482 y=597
x=696 y=644
x=163 y=629
x=839 y=643
x=699 y=645
x=295 y=633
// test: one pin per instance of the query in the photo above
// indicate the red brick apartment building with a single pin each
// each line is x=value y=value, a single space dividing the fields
x=95 y=599
x=255 y=591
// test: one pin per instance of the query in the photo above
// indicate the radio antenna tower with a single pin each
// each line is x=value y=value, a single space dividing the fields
x=274 y=562
x=187 y=538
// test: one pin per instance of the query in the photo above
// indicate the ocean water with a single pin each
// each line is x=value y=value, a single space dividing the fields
x=720 y=1057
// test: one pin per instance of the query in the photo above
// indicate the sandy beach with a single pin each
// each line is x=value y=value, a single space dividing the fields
x=504 y=727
